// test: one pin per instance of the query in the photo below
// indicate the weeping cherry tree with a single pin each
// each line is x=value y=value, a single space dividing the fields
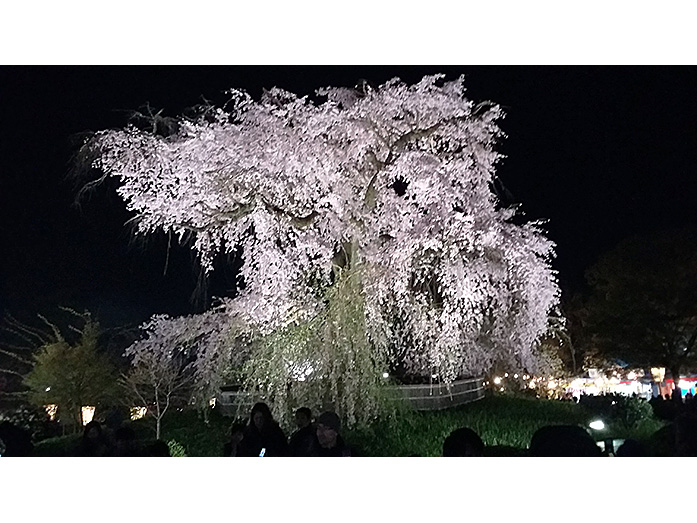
x=371 y=238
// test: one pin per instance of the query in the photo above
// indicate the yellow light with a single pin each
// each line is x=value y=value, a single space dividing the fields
x=497 y=380
x=87 y=414
x=551 y=385
x=658 y=373
x=51 y=410
x=138 y=412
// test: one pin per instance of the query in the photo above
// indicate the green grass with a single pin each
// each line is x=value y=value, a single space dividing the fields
x=505 y=423
x=198 y=438
x=501 y=421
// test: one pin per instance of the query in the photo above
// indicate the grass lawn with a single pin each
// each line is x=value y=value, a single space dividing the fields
x=501 y=421
x=505 y=423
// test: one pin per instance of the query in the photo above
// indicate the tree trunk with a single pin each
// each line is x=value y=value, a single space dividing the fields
x=157 y=428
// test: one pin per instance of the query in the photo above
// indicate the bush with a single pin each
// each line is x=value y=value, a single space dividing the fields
x=625 y=411
x=176 y=450
x=60 y=446
x=33 y=420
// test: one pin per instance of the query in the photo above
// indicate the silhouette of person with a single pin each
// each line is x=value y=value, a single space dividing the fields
x=94 y=443
x=686 y=435
x=15 y=440
x=631 y=448
x=328 y=441
x=125 y=443
x=463 y=442
x=563 y=441
x=263 y=433
x=232 y=447
x=301 y=440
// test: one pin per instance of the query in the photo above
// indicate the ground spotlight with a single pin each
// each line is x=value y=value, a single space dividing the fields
x=597 y=425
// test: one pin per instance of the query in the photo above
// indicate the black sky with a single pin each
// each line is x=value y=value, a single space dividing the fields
x=600 y=152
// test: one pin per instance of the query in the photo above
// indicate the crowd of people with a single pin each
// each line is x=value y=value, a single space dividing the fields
x=262 y=436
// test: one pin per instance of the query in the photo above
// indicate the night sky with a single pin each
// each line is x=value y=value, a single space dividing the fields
x=601 y=153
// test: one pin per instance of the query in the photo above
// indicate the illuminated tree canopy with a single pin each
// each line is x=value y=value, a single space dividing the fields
x=391 y=183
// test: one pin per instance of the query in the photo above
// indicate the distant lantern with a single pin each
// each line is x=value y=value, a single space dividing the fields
x=658 y=374
x=138 y=412
x=87 y=414
x=52 y=411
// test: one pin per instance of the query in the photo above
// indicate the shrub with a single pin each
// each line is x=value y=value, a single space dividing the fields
x=33 y=420
x=626 y=411
x=176 y=450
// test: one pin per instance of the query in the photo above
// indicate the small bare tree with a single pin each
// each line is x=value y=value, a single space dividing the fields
x=157 y=379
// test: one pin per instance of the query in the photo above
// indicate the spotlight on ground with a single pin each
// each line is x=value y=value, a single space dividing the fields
x=597 y=425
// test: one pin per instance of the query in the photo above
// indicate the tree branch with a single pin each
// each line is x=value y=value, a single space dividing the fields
x=16 y=357
x=8 y=371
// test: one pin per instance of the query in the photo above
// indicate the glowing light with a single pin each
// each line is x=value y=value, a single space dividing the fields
x=87 y=414
x=515 y=376
x=551 y=385
x=505 y=375
x=631 y=375
x=385 y=375
x=658 y=373
x=526 y=377
x=531 y=384
x=597 y=425
x=52 y=411
x=48 y=388
x=434 y=376
x=138 y=412
x=211 y=402
x=497 y=380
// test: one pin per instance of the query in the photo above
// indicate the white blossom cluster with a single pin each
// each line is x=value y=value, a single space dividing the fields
x=397 y=177
x=204 y=343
